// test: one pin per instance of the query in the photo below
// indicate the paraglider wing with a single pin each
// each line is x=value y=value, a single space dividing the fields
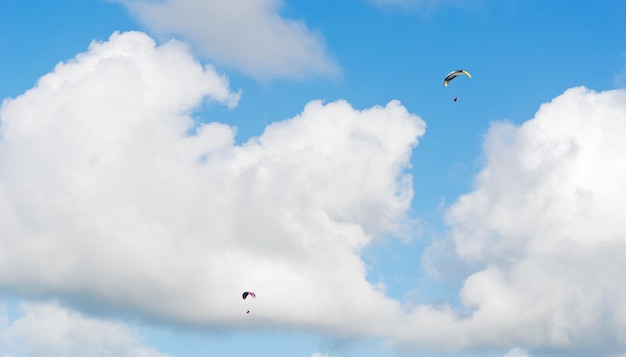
x=454 y=74
x=247 y=293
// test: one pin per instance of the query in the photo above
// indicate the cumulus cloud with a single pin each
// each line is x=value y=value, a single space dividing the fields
x=544 y=225
x=50 y=330
x=112 y=197
x=248 y=35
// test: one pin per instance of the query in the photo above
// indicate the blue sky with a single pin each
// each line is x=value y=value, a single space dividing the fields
x=158 y=158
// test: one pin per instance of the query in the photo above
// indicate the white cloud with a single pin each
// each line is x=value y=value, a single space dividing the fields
x=50 y=330
x=248 y=35
x=112 y=199
x=545 y=222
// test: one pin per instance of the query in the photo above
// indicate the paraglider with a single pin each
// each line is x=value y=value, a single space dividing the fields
x=452 y=75
x=247 y=294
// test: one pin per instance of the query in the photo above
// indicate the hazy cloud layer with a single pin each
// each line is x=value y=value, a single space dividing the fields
x=517 y=352
x=248 y=35
x=112 y=196
x=422 y=5
x=50 y=330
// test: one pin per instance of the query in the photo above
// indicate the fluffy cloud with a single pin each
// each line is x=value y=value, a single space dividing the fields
x=545 y=227
x=248 y=35
x=50 y=330
x=112 y=197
